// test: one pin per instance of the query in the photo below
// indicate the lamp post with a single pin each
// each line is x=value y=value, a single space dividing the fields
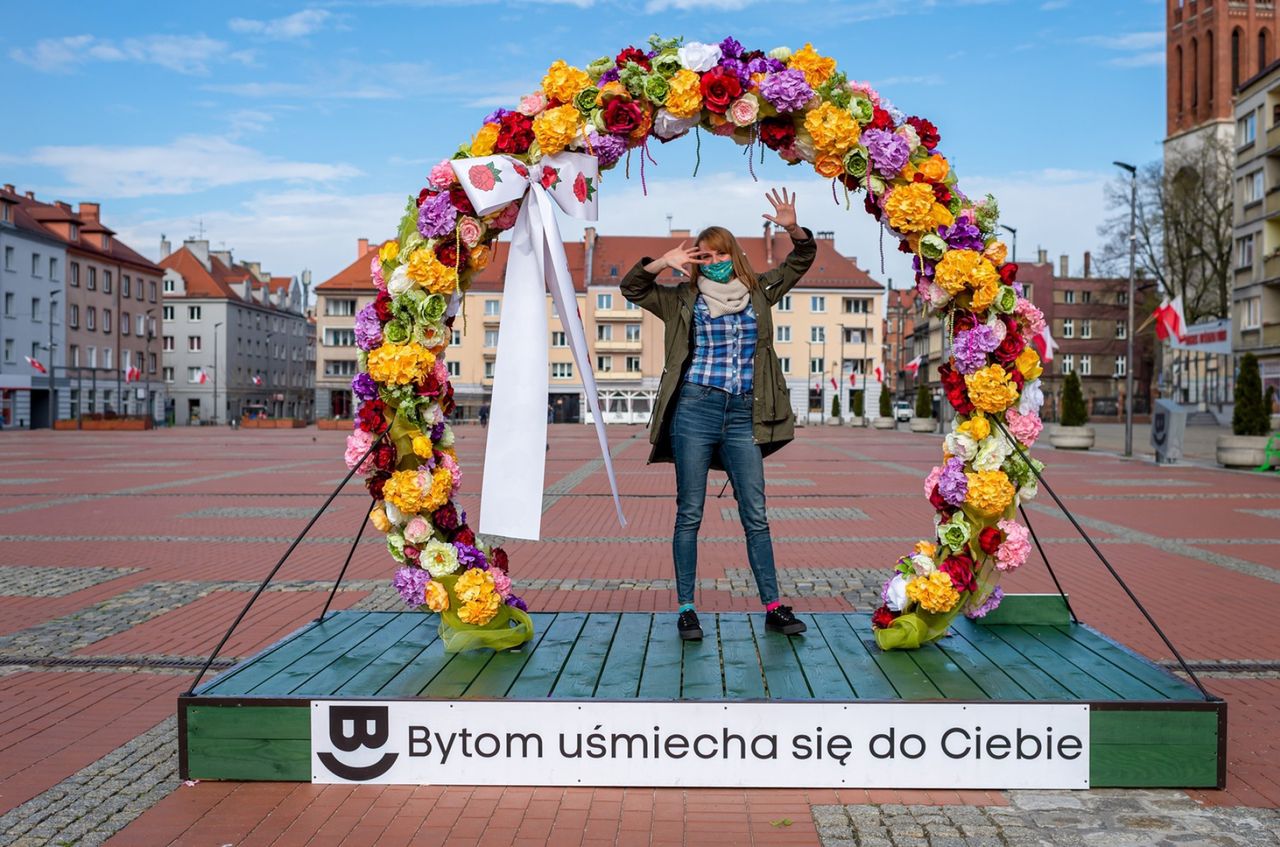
x=151 y=409
x=1128 y=357
x=216 y=327
x=53 y=370
x=1014 y=233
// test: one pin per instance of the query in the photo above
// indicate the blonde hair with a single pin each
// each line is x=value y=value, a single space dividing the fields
x=721 y=240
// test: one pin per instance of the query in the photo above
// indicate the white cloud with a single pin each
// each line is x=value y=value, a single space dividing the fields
x=297 y=25
x=1054 y=5
x=186 y=54
x=1139 y=60
x=1128 y=41
x=348 y=80
x=188 y=164
x=697 y=5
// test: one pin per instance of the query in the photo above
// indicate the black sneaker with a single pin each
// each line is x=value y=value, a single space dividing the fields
x=688 y=626
x=781 y=620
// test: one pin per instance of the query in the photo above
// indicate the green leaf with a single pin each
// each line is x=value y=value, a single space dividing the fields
x=781 y=822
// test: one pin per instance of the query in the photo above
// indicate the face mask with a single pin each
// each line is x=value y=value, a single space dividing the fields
x=718 y=271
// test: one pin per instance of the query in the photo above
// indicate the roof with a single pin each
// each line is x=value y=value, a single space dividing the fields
x=356 y=276
x=44 y=219
x=216 y=281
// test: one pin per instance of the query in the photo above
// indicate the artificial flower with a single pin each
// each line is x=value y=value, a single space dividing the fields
x=882 y=618
x=888 y=151
x=412 y=585
x=976 y=427
x=990 y=493
x=989 y=540
x=990 y=389
x=562 y=81
x=986 y=606
x=1028 y=363
x=1016 y=549
x=910 y=210
x=894 y=594
x=418 y=530
x=485 y=140
x=834 y=131
x=358 y=444
x=1026 y=428
x=436 y=596
x=955 y=533
x=817 y=69
x=952 y=483
x=438 y=557
x=473 y=584
x=745 y=110
x=719 y=89
x=556 y=128
x=961 y=269
x=378 y=517
x=482 y=610
x=400 y=364
x=934 y=593
x=402 y=490
x=699 y=57
x=992 y=452
x=786 y=90
x=959 y=568
x=1032 y=397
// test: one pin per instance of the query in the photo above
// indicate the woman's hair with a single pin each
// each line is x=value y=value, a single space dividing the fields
x=722 y=241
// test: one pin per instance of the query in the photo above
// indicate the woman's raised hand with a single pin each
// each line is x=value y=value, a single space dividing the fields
x=784 y=208
x=685 y=257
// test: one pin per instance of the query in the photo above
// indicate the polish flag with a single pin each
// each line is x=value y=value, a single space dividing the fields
x=132 y=374
x=914 y=365
x=204 y=377
x=835 y=386
x=257 y=379
x=879 y=374
x=853 y=380
x=1045 y=344
x=35 y=363
x=1170 y=320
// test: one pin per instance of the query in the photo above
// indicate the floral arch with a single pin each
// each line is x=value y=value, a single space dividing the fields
x=554 y=143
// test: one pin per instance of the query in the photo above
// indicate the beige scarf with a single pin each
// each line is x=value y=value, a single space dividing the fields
x=724 y=298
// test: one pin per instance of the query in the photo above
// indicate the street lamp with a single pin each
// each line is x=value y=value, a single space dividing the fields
x=1128 y=358
x=151 y=410
x=1014 y=233
x=216 y=327
x=53 y=365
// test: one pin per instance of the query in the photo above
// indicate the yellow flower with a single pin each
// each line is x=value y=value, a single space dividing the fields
x=556 y=128
x=926 y=547
x=829 y=166
x=996 y=252
x=441 y=488
x=473 y=584
x=432 y=274
x=480 y=256
x=400 y=364
x=437 y=596
x=990 y=493
x=378 y=517
x=934 y=168
x=388 y=251
x=422 y=446
x=403 y=492
x=1028 y=363
x=684 y=94
x=985 y=294
x=834 y=131
x=563 y=81
x=485 y=139
x=480 y=612
x=991 y=390
x=940 y=215
x=977 y=427
x=910 y=209
x=817 y=69
x=960 y=269
x=934 y=592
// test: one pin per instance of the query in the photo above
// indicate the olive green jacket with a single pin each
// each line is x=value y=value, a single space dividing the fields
x=773 y=420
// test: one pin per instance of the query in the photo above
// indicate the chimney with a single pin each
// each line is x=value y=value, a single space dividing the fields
x=306 y=290
x=589 y=252
x=61 y=204
x=89 y=211
x=199 y=248
x=362 y=247
x=1042 y=256
x=31 y=195
x=1088 y=262
x=680 y=233
x=223 y=256
x=165 y=247
x=1063 y=270
x=255 y=268
x=768 y=244
x=8 y=186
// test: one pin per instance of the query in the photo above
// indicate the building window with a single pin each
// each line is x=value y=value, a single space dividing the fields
x=784 y=305
x=8 y=350
x=141 y=329
x=604 y=332
x=1122 y=298
x=1122 y=329
x=53 y=268
x=817 y=334
x=340 y=367
x=455 y=368
x=169 y=285
x=455 y=338
x=106 y=321
x=167 y=344
x=1244 y=252
x=815 y=366
x=194 y=313
x=604 y=301
x=857 y=305
x=91 y=318
x=1246 y=129
x=151 y=291
x=124 y=323
x=1068 y=328
x=1068 y=363
x=604 y=364
x=168 y=373
x=1086 y=296
x=339 y=338
x=75 y=355
x=35 y=265
x=785 y=362
x=168 y=313
x=1252 y=313
x=490 y=338
x=633 y=307
x=106 y=282
x=91 y=356
x=75 y=274
x=8 y=304
x=8 y=258
x=1086 y=365
x=1121 y=367
x=1253 y=187
x=491 y=307
x=108 y=355
x=783 y=333
x=562 y=370
x=125 y=285
x=75 y=316
x=1069 y=296
x=92 y=284
x=35 y=309
x=558 y=339
x=633 y=332
x=633 y=364
x=1086 y=328
x=613 y=270
x=194 y=344
x=817 y=303
x=193 y=374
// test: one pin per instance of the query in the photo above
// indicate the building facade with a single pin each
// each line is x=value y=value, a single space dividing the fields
x=237 y=340
x=828 y=331
x=899 y=327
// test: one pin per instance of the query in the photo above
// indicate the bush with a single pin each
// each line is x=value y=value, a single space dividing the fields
x=924 y=403
x=886 y=407
x=835 y=405
x=1250 y=416
x=1073 y=409
x=858 y=403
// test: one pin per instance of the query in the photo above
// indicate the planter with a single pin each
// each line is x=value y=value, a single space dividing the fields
x=1071 y=437
x=923 y=425
x=833 y=422
x=129 y=424
x=858 y=421
x=272 y=423
x=884 y=423
x=343 y=424
x=1242 y=451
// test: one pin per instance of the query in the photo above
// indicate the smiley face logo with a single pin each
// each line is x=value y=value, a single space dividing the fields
x=353 y=727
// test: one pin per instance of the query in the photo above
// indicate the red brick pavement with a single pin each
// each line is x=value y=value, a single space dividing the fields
x=98 y=503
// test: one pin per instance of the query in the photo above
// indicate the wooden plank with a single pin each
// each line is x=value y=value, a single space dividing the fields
x=337 y=674
x=743 y=677
x=417 y=671
x=1160 y=748
x=540 y=673
x=821 y=669
x=993 y=683
x=222 y=677
x=1123 y=684
x=660 y=676
x=1035 y=682
x=289 y=679
x=620 y=678
x=850 y=654
x=249 y=742
x=1077 y=684
x=1134 y=664
x=942 y=670
x=1047 y=609
x=586 y=659
x=373 y=678
x=784 y=678
x=897 y=665
x=263 y=667
x=701 y=677
x=502 y=670
x=455 y=677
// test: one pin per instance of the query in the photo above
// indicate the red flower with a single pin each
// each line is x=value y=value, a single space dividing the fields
x=446 y=517
x=957 y=392
x=464 y=535
x=942 y=194
x=1015 y=376
x=777 y=133
x=1008 y=272
x=926 y=130
x=384 y=457
x=447 y=404
x=883 y=618
x=881 y=120
x=633 y=54
x=1009 y=349
x=622 y=116
x=375 y=483
x=411 y=553
x=964 y=319
x=424 y=194
x=935 y=499
x=720 y=87
x=960 y=568
x=498 y=558
x=873 y=209
x=458 y=197
x=382 y=305
x=515 y=133
x=372 y=416
x=452 y=253
x=989 y=540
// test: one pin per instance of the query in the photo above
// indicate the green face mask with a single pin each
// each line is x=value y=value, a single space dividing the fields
x=718 y=271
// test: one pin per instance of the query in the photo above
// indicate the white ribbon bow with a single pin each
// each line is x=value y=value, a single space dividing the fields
x=515 y=453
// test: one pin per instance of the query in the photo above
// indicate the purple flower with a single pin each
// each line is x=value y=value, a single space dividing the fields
x=731 y=48
x=513 y=600
x=953 y=485
x=412 y=585
x=963 y=235
x=922 y=266
x=989 y=604
x=738 y=69
x=971 y=347
x=786 y=90
x=888 y=151
x=610 y=75
x=437 y=431
x=608 y=148
x=364 y=387
x=368 y=328
x=760 y=65
x=437 y=216
x=496 y=116
x=470 y=557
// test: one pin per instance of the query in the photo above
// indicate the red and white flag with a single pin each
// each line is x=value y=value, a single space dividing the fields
x=257 y=379
x=914 y=365
x=1170 y=320
x=203 y=377
x=132 y=374
x=35 y=363
x=879 y=374
x=1044 y=344
x=835 y=386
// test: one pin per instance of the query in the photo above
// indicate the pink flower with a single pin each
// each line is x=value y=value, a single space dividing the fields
x=358 y=443
x=931 y=481
x=1026 y=428
x=501 y=582
x=442 y=175
x=418 y=530
x=507 y=217
x=470 y=230
x=375 y=268
x=1031 y=317
x=451 y=464
x=744 y=110
x=532 y=104
x=1016 y=549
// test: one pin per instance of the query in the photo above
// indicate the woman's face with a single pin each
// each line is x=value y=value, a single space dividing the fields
x=711 y=255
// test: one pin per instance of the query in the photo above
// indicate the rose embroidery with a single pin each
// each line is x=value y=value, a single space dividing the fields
x=550 y=177
x=583 y=188
x=484 y=177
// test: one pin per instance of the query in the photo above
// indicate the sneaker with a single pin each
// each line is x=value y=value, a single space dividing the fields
x=781 y=620
x=688 y=626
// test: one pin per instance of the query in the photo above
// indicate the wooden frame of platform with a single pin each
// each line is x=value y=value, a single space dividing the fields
x=1148 y=728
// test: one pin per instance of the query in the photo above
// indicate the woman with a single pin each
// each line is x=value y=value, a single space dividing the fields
x=723 y=401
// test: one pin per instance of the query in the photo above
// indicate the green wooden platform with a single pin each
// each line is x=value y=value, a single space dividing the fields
x=1148 y=728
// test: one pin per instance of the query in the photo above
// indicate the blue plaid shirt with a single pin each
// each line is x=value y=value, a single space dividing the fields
x=724 y=349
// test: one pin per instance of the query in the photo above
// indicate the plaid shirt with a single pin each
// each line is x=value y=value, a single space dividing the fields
x=724 y=349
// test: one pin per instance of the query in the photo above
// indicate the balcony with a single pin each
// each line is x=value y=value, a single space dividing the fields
x=1271 y=268
x=619 y=376
x=1273 y=138
x=492 y=320
x=614 y=346
x=617 y=315
x=1266 y=336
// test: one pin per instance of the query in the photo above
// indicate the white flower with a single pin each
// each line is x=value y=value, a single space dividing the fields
x=896 y=593
x=446 y=440
x=399 y=282
x=395 y=546
x=961 y=445
x=908 y=132
x=394 y=515
x=439 y=558
x=937 y=295
x=992 y=451
x=923 y=564
x=780 y=53
x=699 y=57
x=998 y=327
x=418 y=530
x=1029 y=491
x=668 y=126
x=1032 y=398
x=744 y=110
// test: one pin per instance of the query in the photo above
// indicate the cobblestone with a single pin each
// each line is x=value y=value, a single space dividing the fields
x=802 y=513
x=36 y=581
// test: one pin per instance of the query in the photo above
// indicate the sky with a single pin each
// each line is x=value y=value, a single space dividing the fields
x=285 y=131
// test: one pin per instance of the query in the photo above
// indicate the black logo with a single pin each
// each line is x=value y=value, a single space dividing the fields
x=369 y=728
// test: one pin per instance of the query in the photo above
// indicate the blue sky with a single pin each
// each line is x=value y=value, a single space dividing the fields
x=290 y=129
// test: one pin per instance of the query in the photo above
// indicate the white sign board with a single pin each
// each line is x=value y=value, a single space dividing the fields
x=1208 y=337
x=568 y=742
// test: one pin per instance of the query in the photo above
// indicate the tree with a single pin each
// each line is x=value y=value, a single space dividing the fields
x=835 y=405
x=1183 y=227
x=924 y=403
x=1073 y=408
x=858 y=404
x=886 y=408
x=1250 y=416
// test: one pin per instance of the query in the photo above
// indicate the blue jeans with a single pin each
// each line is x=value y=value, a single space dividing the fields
x=707 y=420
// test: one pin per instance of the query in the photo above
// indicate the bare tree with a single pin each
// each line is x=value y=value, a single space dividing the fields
x=1184 y=227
